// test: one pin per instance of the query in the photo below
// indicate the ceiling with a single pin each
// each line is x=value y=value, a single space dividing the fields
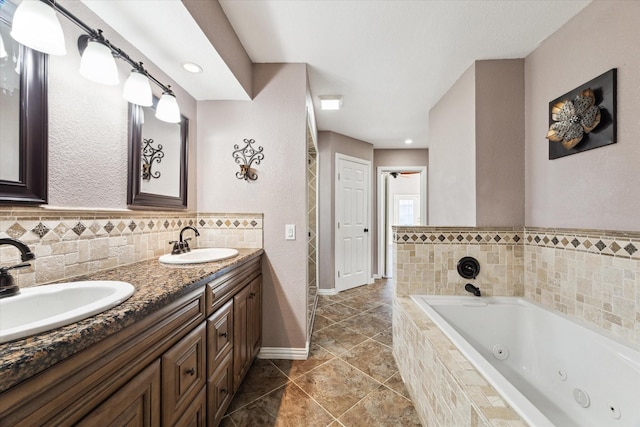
x=390 y=60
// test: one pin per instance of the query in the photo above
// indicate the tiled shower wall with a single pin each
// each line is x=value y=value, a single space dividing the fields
x=69 y=243
x=589 y=274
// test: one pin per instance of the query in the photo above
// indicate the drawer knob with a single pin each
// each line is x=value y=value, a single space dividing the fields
x=252 y=295
x=191 y=371
x=224 y=334
x=223 y=390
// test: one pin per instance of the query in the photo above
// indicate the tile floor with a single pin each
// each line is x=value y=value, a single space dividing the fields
x=350 y=378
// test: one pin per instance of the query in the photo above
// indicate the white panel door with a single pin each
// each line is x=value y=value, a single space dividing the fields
x=352 y=218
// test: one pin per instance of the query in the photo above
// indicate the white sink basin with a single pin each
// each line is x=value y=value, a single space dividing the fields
x=47 y=307
x=197 y=256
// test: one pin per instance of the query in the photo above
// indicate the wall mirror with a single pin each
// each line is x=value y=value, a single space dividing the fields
x=23 y=119
x=157 y=160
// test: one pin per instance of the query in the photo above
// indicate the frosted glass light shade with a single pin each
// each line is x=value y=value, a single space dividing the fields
x=168 y=109
x=137 y=89
x=36 y=26
x=98 y=65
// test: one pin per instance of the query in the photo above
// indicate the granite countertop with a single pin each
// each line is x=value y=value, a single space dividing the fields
x=156 y=286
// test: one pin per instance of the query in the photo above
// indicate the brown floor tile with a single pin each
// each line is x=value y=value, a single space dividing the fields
x=295 y=368
x=372 y=358
x=396 y=384
x=287 y=406
x=336 y=385
x=383 y=311
x=338 y=338
x=337 y=311
x=385 y=337
x=262 y=378
x=382 y=407
x=227 y=422
x=321 y=322
x=366 y=324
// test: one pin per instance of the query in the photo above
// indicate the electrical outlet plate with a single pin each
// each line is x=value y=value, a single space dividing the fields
x=290 y=232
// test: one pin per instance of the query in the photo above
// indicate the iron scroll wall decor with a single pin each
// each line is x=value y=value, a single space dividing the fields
x=246 y=157
x=149 y=156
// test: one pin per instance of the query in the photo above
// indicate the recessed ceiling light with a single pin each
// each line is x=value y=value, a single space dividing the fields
x=408 y=141
x=191 y=67
x=330 y=102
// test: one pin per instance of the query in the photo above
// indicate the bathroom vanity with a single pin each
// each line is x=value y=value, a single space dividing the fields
x=173 y=354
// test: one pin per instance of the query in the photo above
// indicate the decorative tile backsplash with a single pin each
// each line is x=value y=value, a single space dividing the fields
x=72 y=242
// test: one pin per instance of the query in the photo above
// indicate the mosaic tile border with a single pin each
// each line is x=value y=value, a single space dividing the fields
x=456 y=236
x=612 y=243
x=623 y=244
x=35 y=224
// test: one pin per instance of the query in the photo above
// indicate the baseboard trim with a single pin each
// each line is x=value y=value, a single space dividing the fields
x=284 y=353
x=327 y=291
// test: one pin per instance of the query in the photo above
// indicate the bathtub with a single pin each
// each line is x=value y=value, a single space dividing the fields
x=551 y=370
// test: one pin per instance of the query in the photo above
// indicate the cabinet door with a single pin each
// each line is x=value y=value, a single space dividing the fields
x=220 y=391
x=196 y=414
x=137 y=403
x=219 y=336
x=255 y=316
x=183 y=374
x=241 y=349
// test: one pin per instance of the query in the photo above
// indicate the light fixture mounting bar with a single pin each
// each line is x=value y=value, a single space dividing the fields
x=97 y=34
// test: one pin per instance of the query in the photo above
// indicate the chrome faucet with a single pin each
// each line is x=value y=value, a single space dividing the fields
x=8 y=286
x=182 y=245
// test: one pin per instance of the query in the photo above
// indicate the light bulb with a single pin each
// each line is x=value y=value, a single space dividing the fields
x=36 y=26
x=168 y=109
x=137 y=89
x=98 y=65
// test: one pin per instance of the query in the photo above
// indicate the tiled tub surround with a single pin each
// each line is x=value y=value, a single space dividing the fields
x=156 y=286
x=590 y=274
x=427 y=258
x=70 y=243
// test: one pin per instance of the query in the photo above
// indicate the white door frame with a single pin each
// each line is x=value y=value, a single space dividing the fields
x=381 y=209
x=367 y=163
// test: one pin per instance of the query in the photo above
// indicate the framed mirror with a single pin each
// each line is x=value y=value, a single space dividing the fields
x=23 y=119
x=157 y=160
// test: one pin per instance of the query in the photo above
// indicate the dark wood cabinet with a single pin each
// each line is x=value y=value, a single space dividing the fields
x=183 y=374
x=137 y=404
x=174 y=367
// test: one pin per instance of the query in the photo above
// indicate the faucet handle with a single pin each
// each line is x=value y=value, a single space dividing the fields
x=185 y=245
x=3 y=270
x=177 y=247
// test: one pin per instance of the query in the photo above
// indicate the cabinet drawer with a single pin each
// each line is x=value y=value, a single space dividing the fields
x=183 y=374
x=196 y=414
x=137 y=403
x=219 y=336
x=220 y=390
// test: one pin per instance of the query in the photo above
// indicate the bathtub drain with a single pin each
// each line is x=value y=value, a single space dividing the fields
x=500 y=351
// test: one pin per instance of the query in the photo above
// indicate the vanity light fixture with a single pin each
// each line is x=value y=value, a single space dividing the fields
x=137 y=89
x=35 y=25
x=97 y=64
x=167 y=109
x=330 y=102
x=191 y=67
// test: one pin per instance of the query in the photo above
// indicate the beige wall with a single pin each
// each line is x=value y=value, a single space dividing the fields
x=477 y=148
x=452 y=151
x=391 y=157
x=330 y=143
x=276 y=120
x=88 y=125
x=596 y=189
x=500 y=143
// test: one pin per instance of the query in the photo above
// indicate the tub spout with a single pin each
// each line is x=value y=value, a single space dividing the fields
x=473 y=289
